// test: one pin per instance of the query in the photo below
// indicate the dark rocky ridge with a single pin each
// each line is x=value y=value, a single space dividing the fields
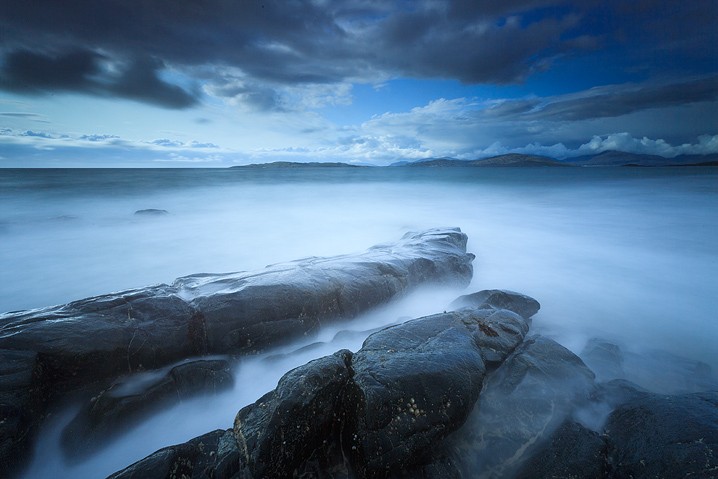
x=458 y=394
x=378 y=412
x=49 y=352
x=604 y=158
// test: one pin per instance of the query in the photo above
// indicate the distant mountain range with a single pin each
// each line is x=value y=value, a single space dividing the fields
x=605 y=158
x=620 y=158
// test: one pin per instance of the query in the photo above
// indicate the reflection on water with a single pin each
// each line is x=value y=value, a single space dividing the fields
x=625 y=254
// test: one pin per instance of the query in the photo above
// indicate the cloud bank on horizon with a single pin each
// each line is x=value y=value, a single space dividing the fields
x=178 y=83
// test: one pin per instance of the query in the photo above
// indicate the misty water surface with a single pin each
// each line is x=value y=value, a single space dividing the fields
x=626 y=254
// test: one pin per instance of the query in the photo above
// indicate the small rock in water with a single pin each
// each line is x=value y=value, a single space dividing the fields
x=152 y=212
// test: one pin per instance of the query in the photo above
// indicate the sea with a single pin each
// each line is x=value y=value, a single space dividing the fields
x=629 y=255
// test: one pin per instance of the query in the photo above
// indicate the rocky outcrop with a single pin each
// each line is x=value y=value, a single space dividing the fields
x=64 y=348
x=458 y=394
x=380 y=412
x=417 y=382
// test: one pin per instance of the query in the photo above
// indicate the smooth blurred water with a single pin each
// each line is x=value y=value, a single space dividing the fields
x=627 y=254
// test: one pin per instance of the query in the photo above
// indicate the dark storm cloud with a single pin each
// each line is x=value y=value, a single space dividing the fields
x=80 y=71
x=275 y=44
x=25 y=70
x=140 y=82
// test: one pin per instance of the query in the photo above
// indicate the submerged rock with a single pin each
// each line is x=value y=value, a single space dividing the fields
x=604 y=358
x=522 y=403
x=151 y=212
x=98 y=339
x=655 y=370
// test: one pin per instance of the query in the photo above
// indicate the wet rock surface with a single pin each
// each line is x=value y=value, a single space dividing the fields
x=647 y=436
x=125 y=403
x=212 y=455
x=665 y=436
x=572 y=451
x=417 y=382
x=20 y=404
x=93 y=341
x=454 y=395
x=461 y=394
x=300 y=419
x=382 y=411
x=524 y=306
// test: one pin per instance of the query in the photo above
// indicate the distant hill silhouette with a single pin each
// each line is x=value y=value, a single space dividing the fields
x=296 y=164
x=622 y=158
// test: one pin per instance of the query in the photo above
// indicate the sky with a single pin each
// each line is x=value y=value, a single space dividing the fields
x=216 y=83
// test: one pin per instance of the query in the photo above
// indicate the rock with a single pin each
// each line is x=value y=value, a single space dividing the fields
x=500 y=299
x=98 y=339
x=655 y=370
x=278 y=433
x=108 y=335
x=604 y=358
x=665 y=436
x=151 y=212
x=617 y=392
x=572 y=451
x=20 y=405
x=416 y=382
x=385 y=408
x=667 y=373
x=128 y=401
x=522 y=403
x=212 y=455
x=647 y=436
x=242 y=313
